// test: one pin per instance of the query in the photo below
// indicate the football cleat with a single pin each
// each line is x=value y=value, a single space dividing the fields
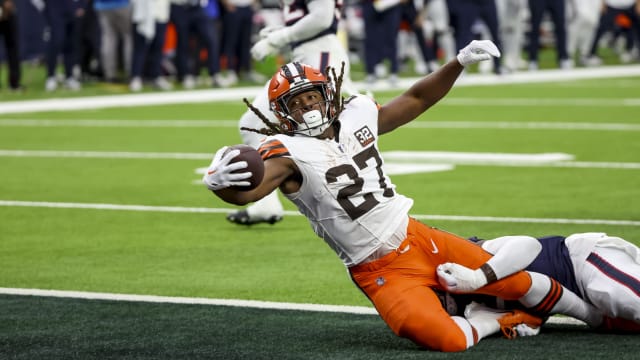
x=519 y=323
x=513 y=323
x=241 y=217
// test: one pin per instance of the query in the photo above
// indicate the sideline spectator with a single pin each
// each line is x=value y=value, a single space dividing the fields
x=64 y=18
x=189 y=16
x=150 y=18
x=511 y=15
x=9 y=30
x=114 y=17
x=614 y=8
x=583 y=24
x=556 y=8
x=237 y=27
x=381 y=24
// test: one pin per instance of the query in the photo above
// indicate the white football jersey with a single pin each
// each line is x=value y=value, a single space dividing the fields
x=345 y=194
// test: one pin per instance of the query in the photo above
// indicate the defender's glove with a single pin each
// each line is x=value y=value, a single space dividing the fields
x=271 y=43
x=476 y=51
x=265 y=31
x=220 y=173
x=460 y=279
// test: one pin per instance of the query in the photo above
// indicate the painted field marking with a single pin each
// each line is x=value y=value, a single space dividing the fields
x=201 y=210
x=398 y=159
x=237 y=94
x=499 y=125
x=271 y=305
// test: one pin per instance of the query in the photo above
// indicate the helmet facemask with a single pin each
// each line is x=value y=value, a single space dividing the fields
x=294 y=79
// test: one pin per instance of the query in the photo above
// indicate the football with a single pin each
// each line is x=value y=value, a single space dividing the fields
x=254 y=164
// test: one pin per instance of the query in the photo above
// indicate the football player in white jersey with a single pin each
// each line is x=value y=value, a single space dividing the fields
x=603 y=270
x=323 y=155
x=310 y=30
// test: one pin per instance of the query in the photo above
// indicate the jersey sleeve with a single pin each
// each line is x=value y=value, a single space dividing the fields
x=273 y=148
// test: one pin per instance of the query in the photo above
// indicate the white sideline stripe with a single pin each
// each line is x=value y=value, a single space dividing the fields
x=236 y=94
x=474 y=157
x=525 y=125
x=540 y=102
x=104 y=154
x=178 y=209
x=442 y=156
x=234 y=124
x=364 y=310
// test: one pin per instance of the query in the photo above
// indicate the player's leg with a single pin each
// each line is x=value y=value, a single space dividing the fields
x=413 y=310
x=540 y=294
x=268 y=209
x=611 y=280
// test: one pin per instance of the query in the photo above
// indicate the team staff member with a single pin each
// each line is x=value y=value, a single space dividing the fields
x=556 y=8
x=64 y=18
x=323 y=155
x=9 y=30
x=464 y=13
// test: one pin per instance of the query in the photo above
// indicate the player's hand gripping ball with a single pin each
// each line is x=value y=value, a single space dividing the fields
x=255 y=165
x=238 y=166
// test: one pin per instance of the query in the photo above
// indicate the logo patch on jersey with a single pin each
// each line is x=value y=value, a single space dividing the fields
x=380 y=281
x=364 y=136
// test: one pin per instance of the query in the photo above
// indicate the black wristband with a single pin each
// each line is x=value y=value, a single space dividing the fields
x=489 y=273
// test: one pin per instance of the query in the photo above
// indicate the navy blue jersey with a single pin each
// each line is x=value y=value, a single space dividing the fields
x=555 y=262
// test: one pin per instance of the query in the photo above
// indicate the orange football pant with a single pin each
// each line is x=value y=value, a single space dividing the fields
x=401 y=285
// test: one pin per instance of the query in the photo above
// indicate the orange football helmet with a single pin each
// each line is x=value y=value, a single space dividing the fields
x=295 y=78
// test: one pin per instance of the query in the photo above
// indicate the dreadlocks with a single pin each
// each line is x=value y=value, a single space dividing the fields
x=337 y=101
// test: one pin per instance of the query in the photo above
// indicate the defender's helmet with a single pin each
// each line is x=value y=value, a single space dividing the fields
x=291 y=80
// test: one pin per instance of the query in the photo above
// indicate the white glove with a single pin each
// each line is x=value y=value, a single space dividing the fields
x=265 y=31
x=476 y=51
x=271 y=43
x=460 y=279
x=526 y=330
x=220 y=174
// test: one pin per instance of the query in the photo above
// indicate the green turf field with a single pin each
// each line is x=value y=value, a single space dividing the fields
x=75 y=183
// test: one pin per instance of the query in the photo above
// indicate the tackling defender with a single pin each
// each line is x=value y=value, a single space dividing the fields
x=323 y=155
x=311 y=27
x=603 y=270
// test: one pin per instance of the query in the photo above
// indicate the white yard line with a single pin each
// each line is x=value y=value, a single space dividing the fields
x=180 y=209
x=535 y=125
x=272 y=305
x=511 y=160
x=236 y=94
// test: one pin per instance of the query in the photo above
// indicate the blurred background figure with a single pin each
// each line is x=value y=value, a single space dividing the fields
x=189 y=17
x=437 y=18
x=617 y=10
x=512 y=18
x=64 y=18
x=556 y=9
x=381 y=24
x=583 y=22
x=89 y=57
x=465 y=13
x=150 y=18
x=114 y=17
x=237 y=27
x=412 y=41
x=9 y=31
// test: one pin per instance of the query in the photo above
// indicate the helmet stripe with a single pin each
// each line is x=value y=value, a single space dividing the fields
x=293 y=70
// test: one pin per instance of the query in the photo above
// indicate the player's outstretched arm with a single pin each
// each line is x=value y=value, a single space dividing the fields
x=224 y=178
x=433 y=87
x=511 y=254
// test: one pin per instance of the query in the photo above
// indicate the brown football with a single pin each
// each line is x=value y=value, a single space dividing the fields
x=254 y=165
